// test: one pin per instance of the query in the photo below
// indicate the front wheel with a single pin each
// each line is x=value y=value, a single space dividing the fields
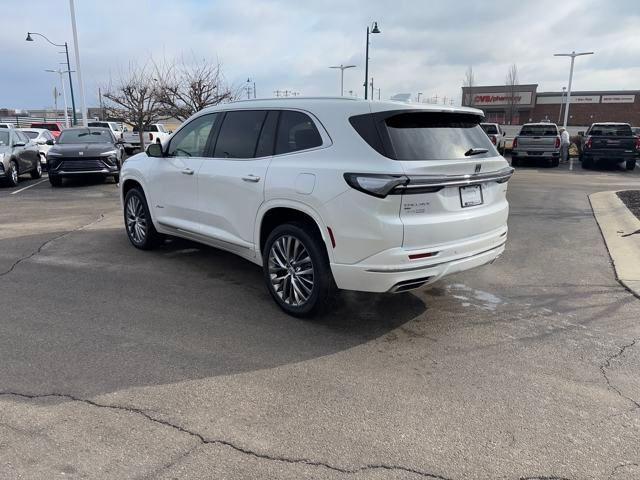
x=55 y=181
x=137 y=220
x=12 y=174
x=554 y=163
x=631 y=164
x=296 y=270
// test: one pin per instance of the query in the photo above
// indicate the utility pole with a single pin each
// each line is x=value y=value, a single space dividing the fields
x=342 y=69
x=573 y=56
x=372 y=91
x=366 y=58
x=564 y=90
x=85 y=119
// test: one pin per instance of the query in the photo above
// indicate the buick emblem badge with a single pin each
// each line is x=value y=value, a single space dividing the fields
x=82 y=153
x=478 y=167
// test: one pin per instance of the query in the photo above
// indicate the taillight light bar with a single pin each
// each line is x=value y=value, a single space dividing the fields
x=515 y=143
x=588 y=143
x=418 y=256
x=557 y=142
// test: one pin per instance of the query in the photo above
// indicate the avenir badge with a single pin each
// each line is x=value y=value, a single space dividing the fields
x=478 y=167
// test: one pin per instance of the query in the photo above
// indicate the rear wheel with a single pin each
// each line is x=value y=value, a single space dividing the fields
x=12 y=174
x=116 y=178
x=296 y=271
x=555 y=163
x=515 y=162
x=37 y=172
x=631 y=164
x=587 y=163
x=137 y=220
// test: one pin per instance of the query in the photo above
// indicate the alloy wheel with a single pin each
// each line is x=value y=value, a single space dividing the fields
x=136 y=220
x=291 y=271
x=14 y=174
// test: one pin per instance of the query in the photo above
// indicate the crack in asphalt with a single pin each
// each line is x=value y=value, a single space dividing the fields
x=553 y=477
x=607 y=364
x=44 y=244
x=622 y=465
x=205 y=441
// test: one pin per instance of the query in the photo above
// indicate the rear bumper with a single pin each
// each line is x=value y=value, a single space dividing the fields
x=613 y=157
x=535 y=154
x=392 y=271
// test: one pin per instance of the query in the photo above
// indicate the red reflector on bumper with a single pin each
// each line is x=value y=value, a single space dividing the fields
x=417 y=256
x=333 y=240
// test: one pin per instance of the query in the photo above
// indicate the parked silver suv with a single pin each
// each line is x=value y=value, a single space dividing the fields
x=537 y=141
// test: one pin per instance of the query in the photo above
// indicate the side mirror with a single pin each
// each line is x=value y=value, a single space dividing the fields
x=155 y=150
x=41 y=141
x=125 y=129
x=49 y=142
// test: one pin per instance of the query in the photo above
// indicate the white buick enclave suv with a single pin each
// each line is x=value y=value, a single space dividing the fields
x=326 y=193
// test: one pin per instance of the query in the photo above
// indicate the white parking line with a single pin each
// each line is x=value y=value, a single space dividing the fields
x=32 y=185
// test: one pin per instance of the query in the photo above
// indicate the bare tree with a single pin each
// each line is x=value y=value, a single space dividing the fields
x=469 y=82
x=512 y=91
x=187 y=87
x=134 y=98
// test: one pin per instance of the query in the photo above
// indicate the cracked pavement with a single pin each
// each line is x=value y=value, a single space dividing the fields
x=175 y=363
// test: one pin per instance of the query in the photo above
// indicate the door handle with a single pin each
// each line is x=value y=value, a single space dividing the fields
x=187 y=171
x=251 y=178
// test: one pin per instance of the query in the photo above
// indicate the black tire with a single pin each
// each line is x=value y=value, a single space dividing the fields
x=128 y=151
x=37 y=172
x=55 y=181
x=323 y=288
x=587 y=163
x=515 y=162
x=12 y=174
x=555 y=163
x=116 y=178
x=631 y=164
x=137 y=221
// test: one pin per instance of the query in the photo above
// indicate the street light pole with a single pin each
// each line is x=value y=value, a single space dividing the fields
x=573 y=56
x=366 y=59
x=83 y=103
x=64 y=94
x=342 y=69
x=66 y=51
x=564 y=90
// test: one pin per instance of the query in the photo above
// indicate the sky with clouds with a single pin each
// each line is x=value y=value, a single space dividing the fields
x=424 y=45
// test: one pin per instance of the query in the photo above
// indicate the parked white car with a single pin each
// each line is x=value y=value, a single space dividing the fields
x=40 y=136
x=115 y=127
x=496 y=134
x=154 y=133
x=326 y=193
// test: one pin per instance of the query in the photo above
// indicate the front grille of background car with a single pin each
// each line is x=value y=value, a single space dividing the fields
x=84 y=164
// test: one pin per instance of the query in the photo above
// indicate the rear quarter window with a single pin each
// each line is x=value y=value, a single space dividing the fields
x=611 y=131
x=424 y=135
x=490 y=129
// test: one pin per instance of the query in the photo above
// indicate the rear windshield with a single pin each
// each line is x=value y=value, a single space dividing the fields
x=432 y=136
x=30 y=133
x=489 y=129
x=99 y=124
x=539 y=131
x=85 y=135
x=611 y=131
x=49 y=126
x=148 y=128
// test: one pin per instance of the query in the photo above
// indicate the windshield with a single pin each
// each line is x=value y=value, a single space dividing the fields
x=489 y=128
x=437 y=136
x=85 y=135
x=611 y=130
x=539 y=131
x=148 y=128
x=99 y=124
x=30 y=133
x=4 y=137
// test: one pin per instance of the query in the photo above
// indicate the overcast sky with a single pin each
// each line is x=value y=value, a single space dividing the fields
x=425 y=46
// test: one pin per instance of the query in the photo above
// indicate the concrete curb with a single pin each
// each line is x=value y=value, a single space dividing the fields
x=616 y=220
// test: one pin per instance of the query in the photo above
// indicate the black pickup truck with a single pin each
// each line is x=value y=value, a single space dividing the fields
x=609 y=142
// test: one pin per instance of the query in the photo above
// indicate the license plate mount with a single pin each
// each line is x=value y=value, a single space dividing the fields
x=471 y=196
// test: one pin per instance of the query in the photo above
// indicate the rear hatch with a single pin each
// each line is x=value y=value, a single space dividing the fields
x=538 y=138
x=451 y=164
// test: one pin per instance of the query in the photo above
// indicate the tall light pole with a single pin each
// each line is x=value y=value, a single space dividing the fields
x=64 y=94
x=66 y=51
x=573 y=56
x=83 y=102
x=374 y=29
x=342 y=69
x=564 y=90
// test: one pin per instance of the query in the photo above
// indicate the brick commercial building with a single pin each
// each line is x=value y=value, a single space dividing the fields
x=529 y=105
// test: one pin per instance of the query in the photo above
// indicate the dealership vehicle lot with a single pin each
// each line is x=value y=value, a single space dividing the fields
x=175 y=363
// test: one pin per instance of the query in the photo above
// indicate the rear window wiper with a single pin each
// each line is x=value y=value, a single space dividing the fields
x=475 y=151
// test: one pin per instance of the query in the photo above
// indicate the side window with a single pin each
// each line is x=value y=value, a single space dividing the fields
x=22 y=137
x=267 y=139
x=239 y=134
x=296 y=131
x=191 y=140
x=47 y=135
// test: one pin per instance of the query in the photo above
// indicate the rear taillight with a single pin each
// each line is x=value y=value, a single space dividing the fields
x=588 y=143
x=150 y=136
x=638 y=143
x=515 y=143
x=557 y=142
x=493 y=139
x=378 y=185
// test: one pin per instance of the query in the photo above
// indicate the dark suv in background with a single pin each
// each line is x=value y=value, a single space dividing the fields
x=609 y=142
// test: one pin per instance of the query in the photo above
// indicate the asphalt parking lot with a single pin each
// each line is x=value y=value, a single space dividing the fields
x=175 y=363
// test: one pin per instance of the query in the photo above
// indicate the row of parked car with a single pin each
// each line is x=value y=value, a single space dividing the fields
x=610 y=143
